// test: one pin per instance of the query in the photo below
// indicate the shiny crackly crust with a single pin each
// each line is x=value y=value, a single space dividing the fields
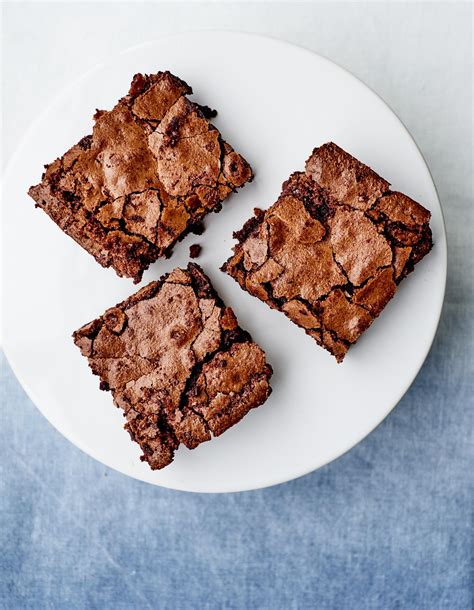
x=331 y=251
x=151 y=170
x=177 y=363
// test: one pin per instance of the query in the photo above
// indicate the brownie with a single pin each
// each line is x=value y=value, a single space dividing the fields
x=332 y=249
x=151 y=170
x=177 y=363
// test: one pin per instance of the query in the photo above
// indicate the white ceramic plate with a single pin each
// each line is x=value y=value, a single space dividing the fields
x=276 y=102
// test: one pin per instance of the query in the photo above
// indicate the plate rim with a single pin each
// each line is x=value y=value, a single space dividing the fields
x=272 y=480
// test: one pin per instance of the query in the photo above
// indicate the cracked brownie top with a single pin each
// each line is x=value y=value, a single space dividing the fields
x=330 y=252
x=177 y=363
x=151 y=170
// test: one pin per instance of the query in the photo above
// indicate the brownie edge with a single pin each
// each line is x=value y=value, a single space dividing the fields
x=177 y=362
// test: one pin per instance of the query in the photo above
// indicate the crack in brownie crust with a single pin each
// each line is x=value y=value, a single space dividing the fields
x=332 y=249
x=152 y=169
x=177 y=363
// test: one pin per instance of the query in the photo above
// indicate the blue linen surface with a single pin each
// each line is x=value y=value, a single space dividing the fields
x=386 y=526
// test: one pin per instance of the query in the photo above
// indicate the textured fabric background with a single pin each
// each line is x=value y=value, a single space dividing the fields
x=386 y=526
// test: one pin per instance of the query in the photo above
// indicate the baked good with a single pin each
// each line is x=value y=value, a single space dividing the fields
x=333 y=248
x=151 y=170
x=177 y=363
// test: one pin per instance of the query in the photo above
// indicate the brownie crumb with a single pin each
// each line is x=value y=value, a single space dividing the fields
x=195 y=250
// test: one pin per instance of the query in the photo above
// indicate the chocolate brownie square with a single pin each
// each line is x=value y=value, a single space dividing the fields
x=333 y=248
x=177 y=363
x=149 y=173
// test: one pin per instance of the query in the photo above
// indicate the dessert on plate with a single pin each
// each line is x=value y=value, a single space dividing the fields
x=151 y=170
x=332 y=250
x=178 y=364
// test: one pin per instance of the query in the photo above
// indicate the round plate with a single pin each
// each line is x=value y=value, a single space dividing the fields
x=276 y=102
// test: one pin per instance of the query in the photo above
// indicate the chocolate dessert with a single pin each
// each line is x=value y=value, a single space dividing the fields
x=333 y=248
x=177 y=363
x=151 y=170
